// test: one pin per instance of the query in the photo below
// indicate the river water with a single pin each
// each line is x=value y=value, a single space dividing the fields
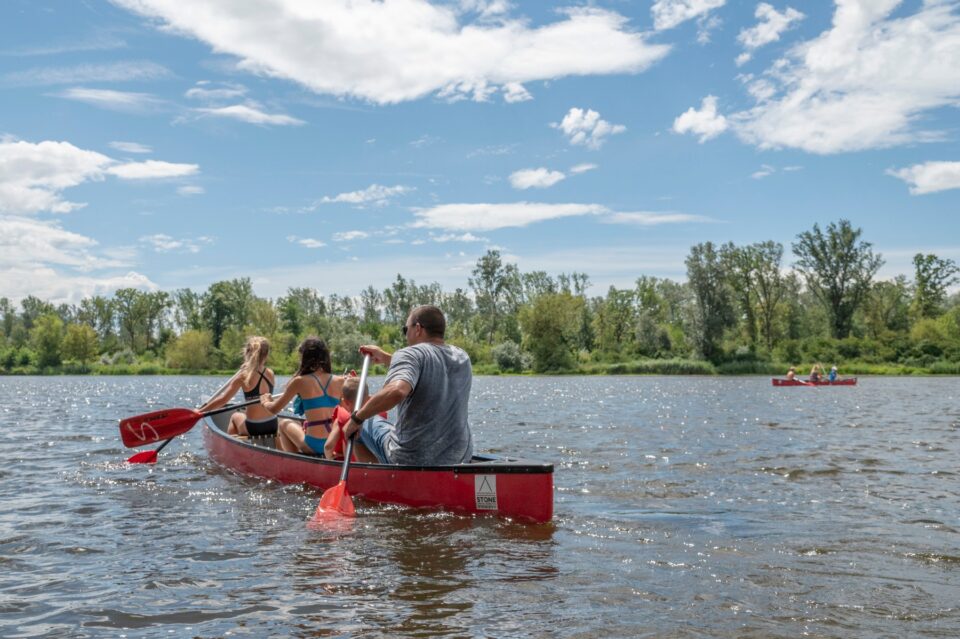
x=684 y=507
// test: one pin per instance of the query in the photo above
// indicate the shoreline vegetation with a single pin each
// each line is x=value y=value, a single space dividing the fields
x=645 y=367
x=741 y=311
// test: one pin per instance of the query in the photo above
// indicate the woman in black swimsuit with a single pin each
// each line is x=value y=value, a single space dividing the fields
x=254 y=379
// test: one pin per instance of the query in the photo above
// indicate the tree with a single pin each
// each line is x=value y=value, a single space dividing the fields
x=98 y=312
x=190 y=351
x=838 y=270
x=187 y=310
x=933 y=276
x=535 y=284
x=550 y=325
x=712 y=311
x=497 y=289
x=133 y=308
x=80 y=343
x=458 y=308
x=614 y=321
x=46 y=336
x=9 y=313
x=508 y=356
x=264 y=319
x=227 y=304
x=769 y=285
x=886 y=307
x=739 y=264
x=33 y=308
x=371 y=302
x=398 y=300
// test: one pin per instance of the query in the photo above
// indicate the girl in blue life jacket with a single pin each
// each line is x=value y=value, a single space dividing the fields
x=317 y=391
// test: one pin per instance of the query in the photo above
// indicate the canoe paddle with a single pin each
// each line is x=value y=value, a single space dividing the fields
x=336 y=501
x=148 y=428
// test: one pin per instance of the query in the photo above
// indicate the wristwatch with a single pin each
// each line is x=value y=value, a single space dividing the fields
x=354 y=418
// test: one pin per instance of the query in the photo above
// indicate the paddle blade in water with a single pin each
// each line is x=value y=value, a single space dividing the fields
x=336 y=502
x=148 y=428
x=143 y=457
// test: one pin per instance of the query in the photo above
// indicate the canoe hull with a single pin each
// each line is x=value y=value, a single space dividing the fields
x=850 y=381
x=502 y=486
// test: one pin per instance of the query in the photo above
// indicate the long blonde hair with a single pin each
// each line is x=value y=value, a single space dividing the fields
x=255 y=354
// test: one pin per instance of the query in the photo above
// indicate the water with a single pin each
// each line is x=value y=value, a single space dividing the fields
x=685 y=507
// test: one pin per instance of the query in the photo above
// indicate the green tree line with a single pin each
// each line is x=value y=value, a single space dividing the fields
x=741 y=309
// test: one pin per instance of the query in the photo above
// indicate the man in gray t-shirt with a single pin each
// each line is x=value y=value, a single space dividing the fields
x=429 y=384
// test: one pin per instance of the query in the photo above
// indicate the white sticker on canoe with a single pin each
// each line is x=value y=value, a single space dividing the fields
x=485 y=487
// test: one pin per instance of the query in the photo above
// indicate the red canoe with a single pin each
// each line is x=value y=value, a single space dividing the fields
x=849 y=381
x=488 y=485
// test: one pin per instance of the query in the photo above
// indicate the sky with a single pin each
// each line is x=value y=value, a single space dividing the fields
x=163 y=144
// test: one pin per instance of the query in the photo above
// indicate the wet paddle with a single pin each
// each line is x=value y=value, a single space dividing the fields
x=336 y=501
x=150 y=456
x=165 y=424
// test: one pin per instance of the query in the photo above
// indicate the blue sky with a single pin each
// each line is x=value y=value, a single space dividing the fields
x=166 y=144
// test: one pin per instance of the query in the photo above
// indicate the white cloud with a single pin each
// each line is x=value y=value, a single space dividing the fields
x=162 y=243
x=865 y=83
x=500 y=149
x=374 y=194
x=387 y=52
x=669 y=13
x=152 y=169
x=349 y=236
x=540 y=178
x=424 y=140
x=126 y=101
x=706 y=122
x=763 y=172
x=131 y=147
x=205 y=92
x=43 y=259
x=582 y=168
x=29 y=241
x=771 y=25
x=643 y=218
x=306 y=241
x=489 y=217
x=98 y=42
x=515 y=92
x=190 y=189
x=706 y=25
x=929 y=177
x=115 y=72
x=33 y=176
x=250 y=112
x=586 y=128
x=63 y=287
x=453 y=237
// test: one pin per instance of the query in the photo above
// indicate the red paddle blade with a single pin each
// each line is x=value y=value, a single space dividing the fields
x=336 y=502
x=148 y=428
x=143 y=457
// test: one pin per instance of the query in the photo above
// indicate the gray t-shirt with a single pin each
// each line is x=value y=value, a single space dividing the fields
x=432 y=426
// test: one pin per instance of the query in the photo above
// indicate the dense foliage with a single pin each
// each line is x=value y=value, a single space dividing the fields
x=741 y=310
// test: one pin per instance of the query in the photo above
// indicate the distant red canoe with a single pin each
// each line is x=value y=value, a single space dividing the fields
x=502 y=486
x=849 y=381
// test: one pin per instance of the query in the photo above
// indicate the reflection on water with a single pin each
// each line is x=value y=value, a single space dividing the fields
x=684 y=507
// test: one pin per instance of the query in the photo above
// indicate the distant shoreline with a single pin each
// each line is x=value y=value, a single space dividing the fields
x=658 y=368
